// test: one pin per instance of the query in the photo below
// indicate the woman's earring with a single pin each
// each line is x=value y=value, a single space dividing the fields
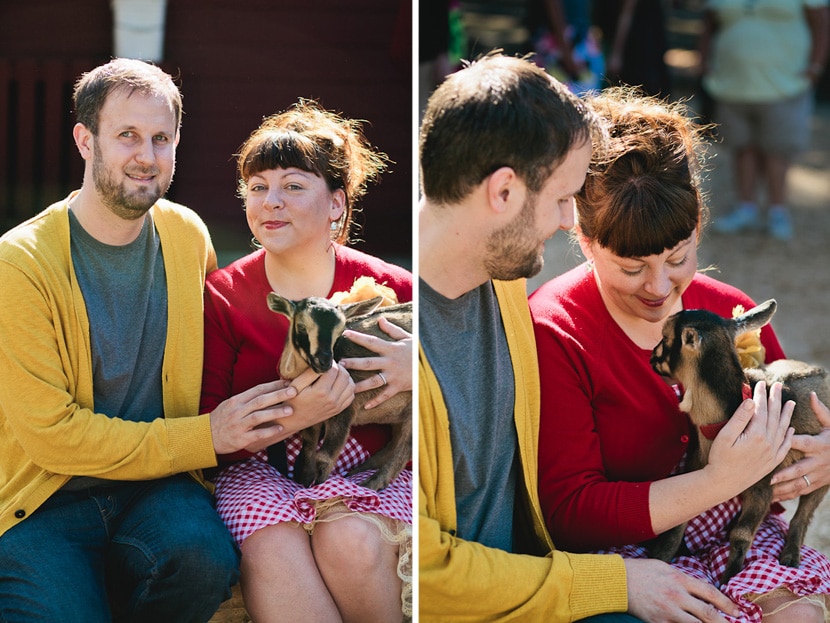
x=334 y=226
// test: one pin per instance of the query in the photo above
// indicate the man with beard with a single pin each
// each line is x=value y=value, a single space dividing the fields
x=503 y=150
x=103 y=510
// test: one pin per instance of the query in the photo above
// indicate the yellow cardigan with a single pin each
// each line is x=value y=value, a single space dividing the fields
x=465 y=581
x=49 y=430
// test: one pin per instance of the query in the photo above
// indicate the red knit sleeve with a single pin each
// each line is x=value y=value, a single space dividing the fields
x=585 y=508
x=220 y=355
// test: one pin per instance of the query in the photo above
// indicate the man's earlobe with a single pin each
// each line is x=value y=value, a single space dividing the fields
x=82 y=138
x=500 y=185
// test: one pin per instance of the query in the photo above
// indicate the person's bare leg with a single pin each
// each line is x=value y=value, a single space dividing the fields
x=803 y=612
x=775 y=169
x=360 y=570
x=280 y=580
x=747 y=165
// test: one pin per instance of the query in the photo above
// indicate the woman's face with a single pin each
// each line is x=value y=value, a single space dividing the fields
x=289 y=209
x=646 y=288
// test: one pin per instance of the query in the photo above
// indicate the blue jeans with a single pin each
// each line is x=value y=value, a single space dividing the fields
x=138 y=551
x=611 y=618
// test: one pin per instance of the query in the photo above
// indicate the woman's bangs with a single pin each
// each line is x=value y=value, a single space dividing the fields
x=648 y=227
x=282 y=151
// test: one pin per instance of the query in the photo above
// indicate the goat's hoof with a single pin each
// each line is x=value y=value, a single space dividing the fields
x=304 y=477
x=322 y=475
x=790 y=559
x=375 y=483
x=731 y=571
x=305 y=482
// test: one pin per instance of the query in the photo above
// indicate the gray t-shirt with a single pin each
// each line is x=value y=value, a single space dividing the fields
x=125 y=292
x=465 y=344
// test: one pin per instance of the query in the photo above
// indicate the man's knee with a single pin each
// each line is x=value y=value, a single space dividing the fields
x=174 y=534
x=173 y=558
x=50 y=567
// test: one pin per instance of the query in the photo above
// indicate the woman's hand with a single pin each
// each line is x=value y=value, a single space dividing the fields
x=332 y=392
x=393 y=361
x=812 y=471
x=754 y=441
x=751 y=444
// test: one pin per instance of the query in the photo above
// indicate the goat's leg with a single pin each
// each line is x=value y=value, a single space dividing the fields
x=399 y=426
x=304 y=466
x=755 y=503
x=392 y=458
x=791 y=554
x=666 y=545
x=337 y=431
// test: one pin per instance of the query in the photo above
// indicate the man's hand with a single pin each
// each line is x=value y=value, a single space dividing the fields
x=250 y=419
x=659 y=593
x=268 y=413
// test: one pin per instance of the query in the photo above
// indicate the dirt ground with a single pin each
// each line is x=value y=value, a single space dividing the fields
x=795 y=273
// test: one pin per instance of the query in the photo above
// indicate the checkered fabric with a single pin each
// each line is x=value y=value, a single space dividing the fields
x=707 y=538
x=252 y=494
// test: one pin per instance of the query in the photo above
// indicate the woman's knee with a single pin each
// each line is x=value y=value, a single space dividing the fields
x=353 y=544
x=272 y=541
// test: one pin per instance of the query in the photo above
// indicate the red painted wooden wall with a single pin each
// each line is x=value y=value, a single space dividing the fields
x=237 y=61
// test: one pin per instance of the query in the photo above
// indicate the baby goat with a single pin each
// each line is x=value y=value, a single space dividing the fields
x=698 y=351
x=314 y=340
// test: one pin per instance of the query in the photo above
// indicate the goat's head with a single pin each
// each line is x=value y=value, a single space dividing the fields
x=315 y=324
x=691 y=334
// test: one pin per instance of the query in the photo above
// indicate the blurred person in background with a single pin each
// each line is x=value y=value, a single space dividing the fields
x=760 y=61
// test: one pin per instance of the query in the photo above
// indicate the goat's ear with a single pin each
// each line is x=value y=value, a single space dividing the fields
x=756 y=317
x=360 y=308
x=280 y=304
x=690 y=337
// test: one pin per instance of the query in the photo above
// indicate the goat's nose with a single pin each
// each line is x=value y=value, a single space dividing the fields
x=323 y=362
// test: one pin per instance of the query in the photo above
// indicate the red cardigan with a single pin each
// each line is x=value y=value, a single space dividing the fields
x=244 y=338
x=609 y=424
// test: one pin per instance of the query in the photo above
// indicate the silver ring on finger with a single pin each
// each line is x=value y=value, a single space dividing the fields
x=807 y=480
x=382 y=379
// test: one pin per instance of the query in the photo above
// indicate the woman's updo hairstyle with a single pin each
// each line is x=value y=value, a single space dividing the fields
x=642 y=194
x=318 y=141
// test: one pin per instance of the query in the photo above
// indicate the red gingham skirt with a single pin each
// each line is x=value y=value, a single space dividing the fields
x=707 y=537
x=252 y=494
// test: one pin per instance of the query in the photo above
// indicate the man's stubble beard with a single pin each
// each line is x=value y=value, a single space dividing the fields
x=129 y=206
x=513 y=252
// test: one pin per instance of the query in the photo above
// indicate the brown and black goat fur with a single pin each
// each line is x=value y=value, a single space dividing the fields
x=315 y=340
x=698 y=351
